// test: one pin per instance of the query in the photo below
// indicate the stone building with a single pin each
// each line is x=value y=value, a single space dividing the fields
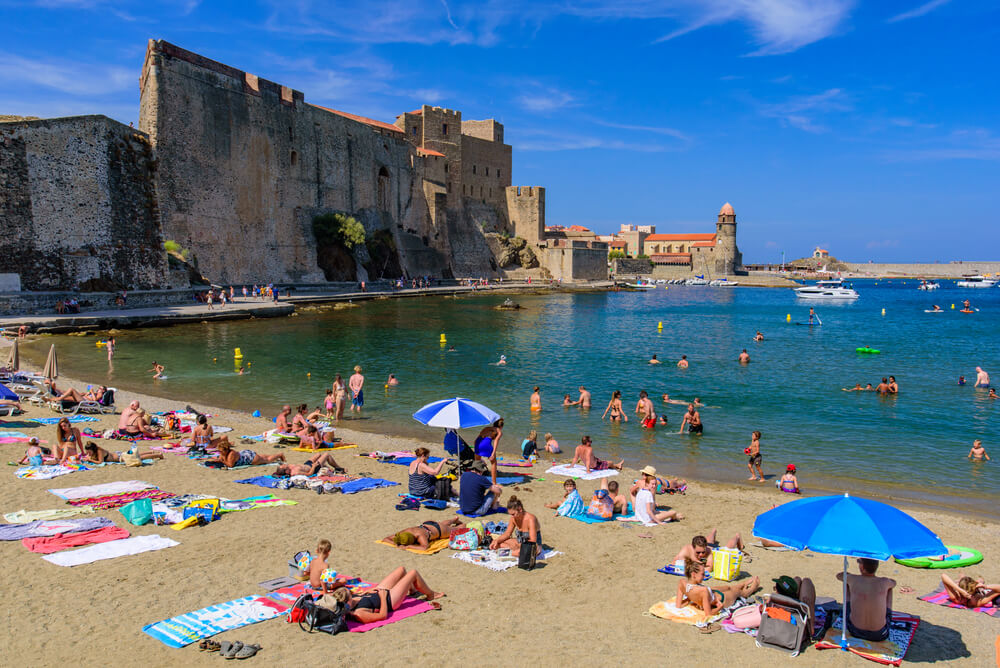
x=712 y=254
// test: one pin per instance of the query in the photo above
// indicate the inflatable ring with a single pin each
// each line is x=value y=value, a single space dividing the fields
x=868 y=351
x=966 y=556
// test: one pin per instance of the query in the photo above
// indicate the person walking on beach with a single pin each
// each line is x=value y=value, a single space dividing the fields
x=357 y=383
x=982 y=378
x=755 y=458
x=692 y=420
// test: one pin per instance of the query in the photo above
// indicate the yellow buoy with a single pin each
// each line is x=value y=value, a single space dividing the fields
x=952 y=306
x=309 y=374
x=215 y=359
x=443 y=339
x=883 y=311
x=659 y=325
x=788 y=318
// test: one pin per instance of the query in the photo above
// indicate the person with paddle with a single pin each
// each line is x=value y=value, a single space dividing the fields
x=812 y=314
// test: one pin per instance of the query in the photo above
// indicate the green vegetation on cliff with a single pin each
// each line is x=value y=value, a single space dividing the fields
x=338 y=229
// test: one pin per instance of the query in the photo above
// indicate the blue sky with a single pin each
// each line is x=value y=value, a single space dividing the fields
x=870 y=128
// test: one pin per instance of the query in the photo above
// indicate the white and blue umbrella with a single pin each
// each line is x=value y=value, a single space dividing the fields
x=848 y=526
x=457 y=413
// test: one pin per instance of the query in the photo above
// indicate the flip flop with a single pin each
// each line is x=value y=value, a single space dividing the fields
x=435 y=605
x=233 y=649
x=247 y=651
x=208 y=645
x=905 y=590
x=710 y=628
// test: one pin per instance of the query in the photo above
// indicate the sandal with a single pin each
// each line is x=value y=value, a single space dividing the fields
x=231 y=652
x=208 y=645
x=435 y=605
x=709 y=628
x=247 y=651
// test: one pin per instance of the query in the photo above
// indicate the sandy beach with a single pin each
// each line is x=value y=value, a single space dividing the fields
x=586 y=606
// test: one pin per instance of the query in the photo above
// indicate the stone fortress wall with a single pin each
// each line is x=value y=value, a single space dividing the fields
x=78 y=206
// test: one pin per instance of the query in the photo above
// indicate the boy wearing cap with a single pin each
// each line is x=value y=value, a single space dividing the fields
x=788 y=482
x=801 y=589
x=477 y=495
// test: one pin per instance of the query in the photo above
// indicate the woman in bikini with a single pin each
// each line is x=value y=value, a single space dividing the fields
x=98 y=455
x=425 y=534
x=203 y=435
x=375 y=604
x=970 y=592
x=615 y=407
x=339 y=396
x=68 y=441
x=522 y=528
x=691 y=591
x=231 y=458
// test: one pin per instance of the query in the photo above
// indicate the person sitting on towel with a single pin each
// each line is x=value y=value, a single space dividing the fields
x=692 y=591
x=700 y=549
x=320 y=574
x=572 y=503
x=230 y=458
x=425 y=534
x=477 y=495
x=311 y=467
x=869 y=602
x=281 y=422
x=522 y=528
x=621 y=501
x=645 y=507
x=376 y=604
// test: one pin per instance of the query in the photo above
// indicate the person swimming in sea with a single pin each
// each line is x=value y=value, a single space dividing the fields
x=536 y=399
x=978 y=452
x=156 y=370
x=937 y=309
x=668 y=400
x=653 y=360
x=683 y=363
x=744 y=357
x=502 y=361
x=857 y=388
x=759 y=337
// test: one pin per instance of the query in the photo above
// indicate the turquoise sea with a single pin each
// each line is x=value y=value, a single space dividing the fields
x=910 y=447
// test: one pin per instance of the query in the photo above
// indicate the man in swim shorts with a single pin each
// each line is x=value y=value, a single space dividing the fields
x=869 y=602
x=357 y=383
x=982 y=378
x=584 y=399
x=644 y=408
x=692 y=420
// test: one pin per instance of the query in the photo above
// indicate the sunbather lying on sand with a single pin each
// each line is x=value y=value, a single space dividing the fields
x=231 y=458
x=425 y=534
x=96 y=454
x=700 y=549
x=971 y=592
x=311 y=467
x=376 y=603
x=690 y=590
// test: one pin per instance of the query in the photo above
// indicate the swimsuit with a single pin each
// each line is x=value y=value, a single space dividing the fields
x=524 y=537
x=246 y=458
x=359 y=399
x=600 y=465
x=35 y=460
x=422 y=484
x=755 y=459
x=695 y=428
x=372 y=601
x=428 y=525
x=872 y=636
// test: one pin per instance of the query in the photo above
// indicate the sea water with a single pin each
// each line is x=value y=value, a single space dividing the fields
x=912 y=446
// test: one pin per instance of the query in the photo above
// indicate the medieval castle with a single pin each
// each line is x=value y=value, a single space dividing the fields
x=234 y=169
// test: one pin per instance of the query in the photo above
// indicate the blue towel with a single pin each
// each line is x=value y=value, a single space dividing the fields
x=499 y=510
x=590 y=519
x=71 y=418
x=364 y=484
x=512 y=480
x=261 y=481
x=671 y=569
x=406 y=461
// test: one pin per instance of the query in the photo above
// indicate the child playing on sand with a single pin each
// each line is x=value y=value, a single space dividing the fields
x=978 y=452
x=755 y=459
x=33 y=455
x=320 y=574
x=572 y=503
x=551 y=445
x=788 y=482
x=529 y=446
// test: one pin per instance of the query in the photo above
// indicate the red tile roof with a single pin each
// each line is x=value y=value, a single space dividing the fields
x=426 y=151
x=361 y=119
x=617 y=244
x=578 y=228
x=699 y=244
x=694 y=236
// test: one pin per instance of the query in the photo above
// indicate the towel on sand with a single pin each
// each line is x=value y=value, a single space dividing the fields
x=408 y=608
x=888 y=652
x=940 y=597
x=70 y=493
x=690 y=614
x=118 y=548
x=261 y=481
x=51 y=527
x=492 y=560
x=54 y=514
x=434 y=547
x=672 y=569
x=71 y=418
x=47 y=472
x=50 y=544
x=336 y=446
x=364 y=484
x=580 y=471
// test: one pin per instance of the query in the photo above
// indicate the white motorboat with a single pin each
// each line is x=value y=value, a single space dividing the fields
x=928 y=285
x=723 y=283
x=696 y=281
x=833 y=289
x=640 y=286
x=976 y=281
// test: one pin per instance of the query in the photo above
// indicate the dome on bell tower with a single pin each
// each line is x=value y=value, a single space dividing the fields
x=727 y=210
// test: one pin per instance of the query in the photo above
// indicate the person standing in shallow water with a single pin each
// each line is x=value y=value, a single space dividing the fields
x=357 y=383
x=536 y=399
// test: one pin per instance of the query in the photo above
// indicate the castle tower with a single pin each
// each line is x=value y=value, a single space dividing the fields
x=526 y=208
x=728 y=259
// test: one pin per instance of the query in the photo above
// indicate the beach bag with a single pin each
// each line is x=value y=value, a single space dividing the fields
x=131 y=457
x=726 y=562
x=463 y=539
x=601 y=505
x=138 y=512
x=747 y=617
x=783 y=624
x=207 y=509
x=527 y=556
x=442 y=489
x=298 y=565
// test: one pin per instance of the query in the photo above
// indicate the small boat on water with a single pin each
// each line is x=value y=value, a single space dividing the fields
x=928 y=285
x=976 y=281
x=640 y=286
x=831 y=290
x=697 y=280
x=723 y=283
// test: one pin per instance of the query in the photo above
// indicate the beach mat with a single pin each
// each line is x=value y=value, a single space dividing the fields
x=501 y=510
x=88 y=491
x=490 y=558
x=112 y=550
x=940 y=597
x=590 y=519
x=580 y=472
x=522 y=463
x=47 y=472
x=690 y=614
x=191 y=627
x=506 y=480
x=71 y=418
x=338 y=446
x=433 y=548
x=887 y=652
x=672 y=569
x=50 y=544
x=278 y=583
x=778 y=548
x=409 y=608
x=364 y=484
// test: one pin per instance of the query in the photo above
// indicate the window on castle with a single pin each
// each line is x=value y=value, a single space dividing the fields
x=498 y=173
x=414 y=131
x=446 y=168
x=491 y=192
x=487 y=171
x=444 y=128
x=449 y=186
x=295 y=158
x=473 y=169
x=383 y=189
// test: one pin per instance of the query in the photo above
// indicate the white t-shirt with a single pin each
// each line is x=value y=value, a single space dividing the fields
x=642 y=502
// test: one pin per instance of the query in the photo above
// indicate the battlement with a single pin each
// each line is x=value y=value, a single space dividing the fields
x=441 y=111
x=251 y=83
x=488 y=129
x=525 y=191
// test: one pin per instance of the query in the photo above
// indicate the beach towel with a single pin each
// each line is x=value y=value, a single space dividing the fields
x=191 y=627
x=70 y=493
x=232 y=468
x=522 y=463
x=572 y=505
x=14 y=435
x=267 y=481
x=513 y=479
x=50 y=544
x=888 y=652
x=500 y=510
x=492 y=560
x=673 y=569
x=409 y=459
x=590 y=519
x=112 y=550
x=47 y=472
x=54 y=514
x=336 y=446
x=171 y=449
x=278 y=583
x=41 y=528
x=778 y=548
x=580 y=471
x=112 y=501
x=690 y=614
x=433 y=548
x=363 y=485
x=940 y=597
x=408 y=608
x=71 y=418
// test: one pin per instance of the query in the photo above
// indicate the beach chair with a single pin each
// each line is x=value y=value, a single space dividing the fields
x=783 y=626
x=9 y=410
x=105 y=405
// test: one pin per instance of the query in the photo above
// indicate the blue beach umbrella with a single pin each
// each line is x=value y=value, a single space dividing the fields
x=457 y=413
x=851 y=527
x=7 y=393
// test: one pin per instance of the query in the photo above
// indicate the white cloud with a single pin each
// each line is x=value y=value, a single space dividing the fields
x=66 y=76
x=918 y=11
x=669 y=132
x=540 y=140
x=544 y=101
x=973 y=144
x=803 y=112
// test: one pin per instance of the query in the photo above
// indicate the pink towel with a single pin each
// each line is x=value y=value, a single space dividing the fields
x=409 y=608
x=50 y=544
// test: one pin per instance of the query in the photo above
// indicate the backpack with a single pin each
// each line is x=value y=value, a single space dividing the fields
x=601 y=505
x=442 y=489
x=312 y=617
x=463 y=539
